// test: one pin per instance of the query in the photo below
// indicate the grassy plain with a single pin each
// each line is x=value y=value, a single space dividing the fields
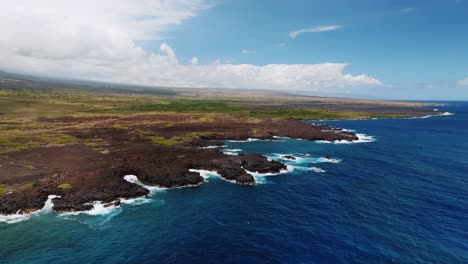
x=22 y=111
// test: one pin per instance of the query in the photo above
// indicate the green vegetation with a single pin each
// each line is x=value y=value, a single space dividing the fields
x=27 y=103
x=21 y=111
x=230 y=107
x=64 y=186
x=163 y=141
x=189 y=106
x=26 y=186
x=179 y=139
x=19 y=141
x=3 y=189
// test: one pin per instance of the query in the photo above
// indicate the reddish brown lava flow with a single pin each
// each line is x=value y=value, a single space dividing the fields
x=111 y=147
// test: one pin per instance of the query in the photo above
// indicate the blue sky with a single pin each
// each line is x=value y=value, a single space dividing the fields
x=379 y=49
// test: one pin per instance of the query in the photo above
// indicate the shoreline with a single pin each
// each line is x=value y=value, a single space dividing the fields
x=268 y=167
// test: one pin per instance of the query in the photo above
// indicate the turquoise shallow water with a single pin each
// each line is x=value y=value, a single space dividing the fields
x=402 y=198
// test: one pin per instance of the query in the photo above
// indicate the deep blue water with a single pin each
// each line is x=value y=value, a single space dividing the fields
x=402 y=198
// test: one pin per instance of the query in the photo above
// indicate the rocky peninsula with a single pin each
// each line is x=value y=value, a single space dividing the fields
x=163 y=150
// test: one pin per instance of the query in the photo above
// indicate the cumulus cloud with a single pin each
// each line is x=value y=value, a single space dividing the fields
x=463 y=83
x=294 y=34
x=98 y=40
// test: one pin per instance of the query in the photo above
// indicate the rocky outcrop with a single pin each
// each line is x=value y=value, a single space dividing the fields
x=93 y=169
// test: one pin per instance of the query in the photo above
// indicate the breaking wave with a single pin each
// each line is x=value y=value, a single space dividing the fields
x=428 y=116
x=302 y=158
x=362 y=138
x=134 y=179
x=232 y=152
x=18 y=217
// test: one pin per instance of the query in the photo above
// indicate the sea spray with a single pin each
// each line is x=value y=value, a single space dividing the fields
x=134 y=179
x=18 y=217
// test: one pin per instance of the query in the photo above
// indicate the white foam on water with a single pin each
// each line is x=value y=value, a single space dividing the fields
x=258 y=174
x=362 y=138
x=134 y=179
x=18 y=217
x=136 y=201
x=303 y=168
x=296 y=168
x=14 y=218
x=211 y=147
x=429 y=116
x=232 y=152
x=305 y=158
x=279 y=138
x=282 y=157
x=48 y=205
x=329 y=160
x=206 y=174
x=247 y=140
x=317 y=169
x=260 y=178
x=323 y=141
x=100 y=209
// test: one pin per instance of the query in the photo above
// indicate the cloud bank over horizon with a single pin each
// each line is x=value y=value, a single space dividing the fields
x=98 y=40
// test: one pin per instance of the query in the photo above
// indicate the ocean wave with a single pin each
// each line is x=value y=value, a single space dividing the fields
x=134 y=179
x=99 y=208
x=212 y=147
x=429 y=116
x=362 y=138
x=300 y=159
x=136 y=201
x=206 y=174
x=258 y=174
x=260 y=178
x=232 y=152
x=280 y=138
x=317 y=169
x=303 y=168
x=327 y=160
x=18 y=217
x=247 y=140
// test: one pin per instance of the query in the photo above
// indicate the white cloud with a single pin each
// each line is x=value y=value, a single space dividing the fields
x=166 y=49
x=246 y=51
x=98 y=40
x=463 y=82
x=294 y=34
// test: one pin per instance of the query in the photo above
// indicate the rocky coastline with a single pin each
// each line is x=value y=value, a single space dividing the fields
x=93 y=168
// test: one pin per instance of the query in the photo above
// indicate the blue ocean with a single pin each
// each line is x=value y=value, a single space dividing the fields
x=399 y=196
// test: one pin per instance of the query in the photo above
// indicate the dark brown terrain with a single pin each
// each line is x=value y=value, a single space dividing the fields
x=157 y=148
x=78 y=139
